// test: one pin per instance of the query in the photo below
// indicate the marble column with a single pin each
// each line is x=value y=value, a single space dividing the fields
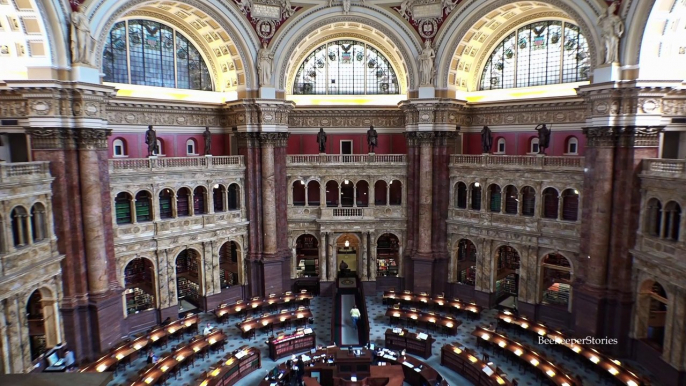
x=322 y=258
x=425 y=192
x=5 y=349
x=91 y=200
x=268 y=198
x=364 y=252
x=330 y=247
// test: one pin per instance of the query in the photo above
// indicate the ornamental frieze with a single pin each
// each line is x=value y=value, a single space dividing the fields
x=119 y=113
x=346 y=118
x=52 y=138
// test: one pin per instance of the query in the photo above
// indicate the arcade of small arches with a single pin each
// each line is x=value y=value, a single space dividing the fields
x=664 y=222
x=518 y=201
x=554 y=271
x=169 y=203
x=142 y=284
x=347 y=193
x=26 y=227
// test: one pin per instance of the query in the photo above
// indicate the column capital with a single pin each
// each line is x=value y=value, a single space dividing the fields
x=273 y=139
x=255 y=114
x=429 y=138
x=623 y=136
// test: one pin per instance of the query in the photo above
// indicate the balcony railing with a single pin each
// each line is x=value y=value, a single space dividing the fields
x=346 y=159
x=24 y=170
x=518 y=161
x=173 y=163
x=665 y=167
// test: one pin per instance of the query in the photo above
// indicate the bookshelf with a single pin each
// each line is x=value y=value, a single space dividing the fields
x=182 y=203
x=285 y=345
x=166 y=205
x=405 y=340
x=508 y=258
x=232 y=368
x=467 y=275
x=307 y=252
x=138 y=300
x=506 y=286
x=122 y=208
x=188 y=289
x=558 y=293
x=387 y=251
x=143 y=212
x=138 y=279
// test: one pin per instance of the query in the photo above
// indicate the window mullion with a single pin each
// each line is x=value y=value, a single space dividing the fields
x=516 y=57
x=364 y=72
x=176 y=80
x=326 y=72
x=562 y=50
x=128 y=51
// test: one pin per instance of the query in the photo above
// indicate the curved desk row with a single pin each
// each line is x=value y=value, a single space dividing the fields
x=232 y=368
x=257 y=304
x=335 y=366
x=598 y=359
x=466 y=362
x=430 y=319
x=171 y=364
x=555 y=373
x=423 y=299
x=248 y=325
x=129 y=351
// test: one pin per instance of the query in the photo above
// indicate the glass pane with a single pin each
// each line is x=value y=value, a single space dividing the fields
x=136 y=52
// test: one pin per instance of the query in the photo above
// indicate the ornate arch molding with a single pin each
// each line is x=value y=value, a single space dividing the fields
x=106 y=13
x=634 y=13
x=290 y=39
x=56 y=15
x=582 y=13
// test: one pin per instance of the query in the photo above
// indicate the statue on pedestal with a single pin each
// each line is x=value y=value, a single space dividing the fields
x=151 y=141
x=426 y=63
x=207 y=136
x=264 y=64
x=321 y=140
x=81 y=39
x=543 y=138
x=371 y=139
x=486 y=140
x=612 y=29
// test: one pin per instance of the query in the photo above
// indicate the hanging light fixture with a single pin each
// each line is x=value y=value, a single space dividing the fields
x=302 y=182
x=346 y=182
x=347 y=243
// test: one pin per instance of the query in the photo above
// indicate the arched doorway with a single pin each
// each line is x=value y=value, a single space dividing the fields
x=387 y=255
x=556 y=275
x=657 y=316
x=347 y=193
x=507 y=276
x=347 y=251
x=229 y=264
x=466 y=263
x=188 y=279
x=42 y=319
x=307 y=256
x=139 y=279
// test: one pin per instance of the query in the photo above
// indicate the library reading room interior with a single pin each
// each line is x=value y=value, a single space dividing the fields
x=343 y=192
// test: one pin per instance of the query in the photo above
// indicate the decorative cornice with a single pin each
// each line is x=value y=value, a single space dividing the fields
x=346 y=118
x=627 y=136
x=248 y=139
x=68 y=139
x=600 y=136
x=429 y=138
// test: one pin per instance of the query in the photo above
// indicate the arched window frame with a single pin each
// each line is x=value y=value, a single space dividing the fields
x=534 y=146
x=368 y=65
x=500 y=147
x=160 y=147
x=513 y=63
x=173 y=64
x=191 y=147
x=119 y=148
x=572 y=146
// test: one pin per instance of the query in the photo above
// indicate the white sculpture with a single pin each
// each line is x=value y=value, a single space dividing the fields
x=245 y=5
x=612 y=29
x=426 y=63
x=405 y=9
x=81 y=39
x=287 y=9
x=346 y=5
x=264 y=64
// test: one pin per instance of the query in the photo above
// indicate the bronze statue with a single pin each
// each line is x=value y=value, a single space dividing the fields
x=321 y=139
x=486 y=140
x=372 y=138
x=543 y=138
x=208 y=141
x=151 y=141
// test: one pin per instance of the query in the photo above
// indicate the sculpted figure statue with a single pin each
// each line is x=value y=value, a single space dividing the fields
x=612 y=29
x=207 y=136
x=372 y=139
x=81 y=39
x=264 y=64
x=405 y=10
x=151 y=141
x=486 y=140
x=543 y=138
x=321 y=140
x=426 y=63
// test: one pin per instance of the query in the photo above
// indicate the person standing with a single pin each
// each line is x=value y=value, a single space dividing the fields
x=355 y=314
x=301 y=370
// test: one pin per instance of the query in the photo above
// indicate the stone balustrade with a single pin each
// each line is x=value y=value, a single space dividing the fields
x=346 y=159
x=175 y=163
x=659 y=167
x=518 y=161
x=21 y=171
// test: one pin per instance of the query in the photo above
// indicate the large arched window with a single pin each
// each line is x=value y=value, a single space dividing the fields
x=545 y=52
x=149 y=53
x=345 y=67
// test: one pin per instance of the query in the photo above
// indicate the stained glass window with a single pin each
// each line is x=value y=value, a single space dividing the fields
x=149 y=53
x=545 y=52
x=345 y=67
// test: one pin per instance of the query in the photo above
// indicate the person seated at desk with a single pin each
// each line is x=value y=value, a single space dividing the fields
x=167 y=321
x=344 y=269
x=152 y=358
x=207 y=330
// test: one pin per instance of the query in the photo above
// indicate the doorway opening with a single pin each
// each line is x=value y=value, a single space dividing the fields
x=188 y=280
x=347 y=249
x=507 y=276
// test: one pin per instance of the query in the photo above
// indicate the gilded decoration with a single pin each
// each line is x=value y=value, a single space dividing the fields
x=346 y=118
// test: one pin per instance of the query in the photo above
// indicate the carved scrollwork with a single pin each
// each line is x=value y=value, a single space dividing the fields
x=273 y=139
x=92 y=139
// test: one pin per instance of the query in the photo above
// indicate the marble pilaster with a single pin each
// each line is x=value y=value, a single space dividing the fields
x=425 y=192
x=364 y=251
x=323 y=262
